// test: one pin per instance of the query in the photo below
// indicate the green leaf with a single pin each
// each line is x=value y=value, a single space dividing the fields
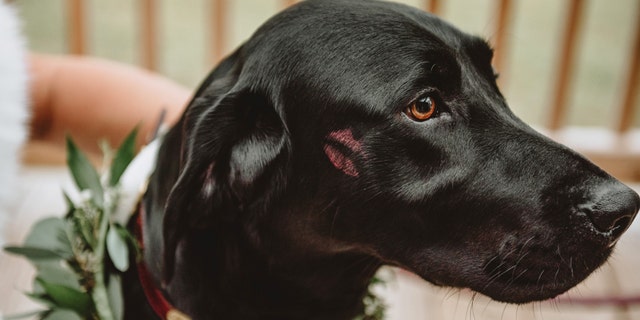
x=83 y=228
x=130 y=239
x=124 y=155
x=35 y=254
x=59 y=274
x=116 y=300
x=118 y=250
x=62 y=314
x=67 y=298
x=84 y=174
x=71 y=207
x=50 y=233
x=41 y=298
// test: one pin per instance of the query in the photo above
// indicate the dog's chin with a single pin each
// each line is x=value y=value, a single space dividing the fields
x=537 y=278
x=521 y=291
x=525 y=293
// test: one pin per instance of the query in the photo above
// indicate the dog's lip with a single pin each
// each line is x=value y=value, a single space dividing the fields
x=526 y=289
x=526 y=293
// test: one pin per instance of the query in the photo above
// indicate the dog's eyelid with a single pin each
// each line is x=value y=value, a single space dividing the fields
x=431 y=91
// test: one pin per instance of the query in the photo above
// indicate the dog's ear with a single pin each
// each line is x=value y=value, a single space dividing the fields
x=235 y=156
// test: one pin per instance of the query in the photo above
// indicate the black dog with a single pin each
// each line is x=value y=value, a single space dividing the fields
x=345 y=135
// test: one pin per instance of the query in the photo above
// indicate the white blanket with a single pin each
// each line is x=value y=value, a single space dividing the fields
x=13 y=106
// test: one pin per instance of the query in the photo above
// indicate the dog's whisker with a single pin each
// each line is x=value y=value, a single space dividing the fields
x=491 y=279
x=555 y=277
x=520 y=275
x=500 y=265
x=559 y=253
x=512 y=279
x=556 y=306
x=504 y=311
x=508 y=285
x=520 y=260
x=541 y=286
x=524 y=245
x=540 y=277
x=573 y=276
x=470 y=306
x=497 y=276
x=489 y=262
x=486 y=306
x=451 y=292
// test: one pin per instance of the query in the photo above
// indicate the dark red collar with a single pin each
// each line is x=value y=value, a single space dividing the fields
x=160 y=305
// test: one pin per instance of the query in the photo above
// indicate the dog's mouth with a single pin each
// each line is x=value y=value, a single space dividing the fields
x=534 y=272
x=518 y=267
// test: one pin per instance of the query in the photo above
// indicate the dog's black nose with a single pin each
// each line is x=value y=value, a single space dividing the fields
x=613 y=209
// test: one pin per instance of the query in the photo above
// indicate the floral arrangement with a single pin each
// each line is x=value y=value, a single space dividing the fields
x=73 y=254
x=79 y=257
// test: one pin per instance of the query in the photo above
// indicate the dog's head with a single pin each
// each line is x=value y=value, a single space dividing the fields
x=376 y=128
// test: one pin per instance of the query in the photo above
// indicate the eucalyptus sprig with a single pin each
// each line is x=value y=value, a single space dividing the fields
x=70 y=253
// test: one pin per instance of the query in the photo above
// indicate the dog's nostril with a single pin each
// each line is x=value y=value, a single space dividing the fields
x=620 y=226
x=610 y=221
x=614 y=209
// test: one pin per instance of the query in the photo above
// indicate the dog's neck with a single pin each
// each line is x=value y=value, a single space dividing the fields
x=230 y=273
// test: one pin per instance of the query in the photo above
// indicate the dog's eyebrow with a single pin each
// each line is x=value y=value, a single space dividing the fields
x=439 y=69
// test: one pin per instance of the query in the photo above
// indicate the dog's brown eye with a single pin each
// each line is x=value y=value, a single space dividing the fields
x=422 y=109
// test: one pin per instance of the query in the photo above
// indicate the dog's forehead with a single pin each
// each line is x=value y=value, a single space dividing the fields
x=354 y=30
x=353 y=48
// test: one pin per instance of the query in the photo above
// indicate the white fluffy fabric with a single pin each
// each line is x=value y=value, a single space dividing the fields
x=13 y=106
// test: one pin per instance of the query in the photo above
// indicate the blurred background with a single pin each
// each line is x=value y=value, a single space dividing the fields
x=562 y=64
x=568 y=67
x=186 y=42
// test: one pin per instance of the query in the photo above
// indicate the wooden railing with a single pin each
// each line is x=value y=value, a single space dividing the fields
x=616 y=154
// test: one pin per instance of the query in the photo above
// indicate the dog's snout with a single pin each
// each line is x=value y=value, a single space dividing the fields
x=613 y=209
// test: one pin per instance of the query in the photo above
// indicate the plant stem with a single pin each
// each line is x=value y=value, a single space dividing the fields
x=99 y=292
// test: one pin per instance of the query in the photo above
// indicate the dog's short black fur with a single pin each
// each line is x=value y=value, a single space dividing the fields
x=296 y=172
